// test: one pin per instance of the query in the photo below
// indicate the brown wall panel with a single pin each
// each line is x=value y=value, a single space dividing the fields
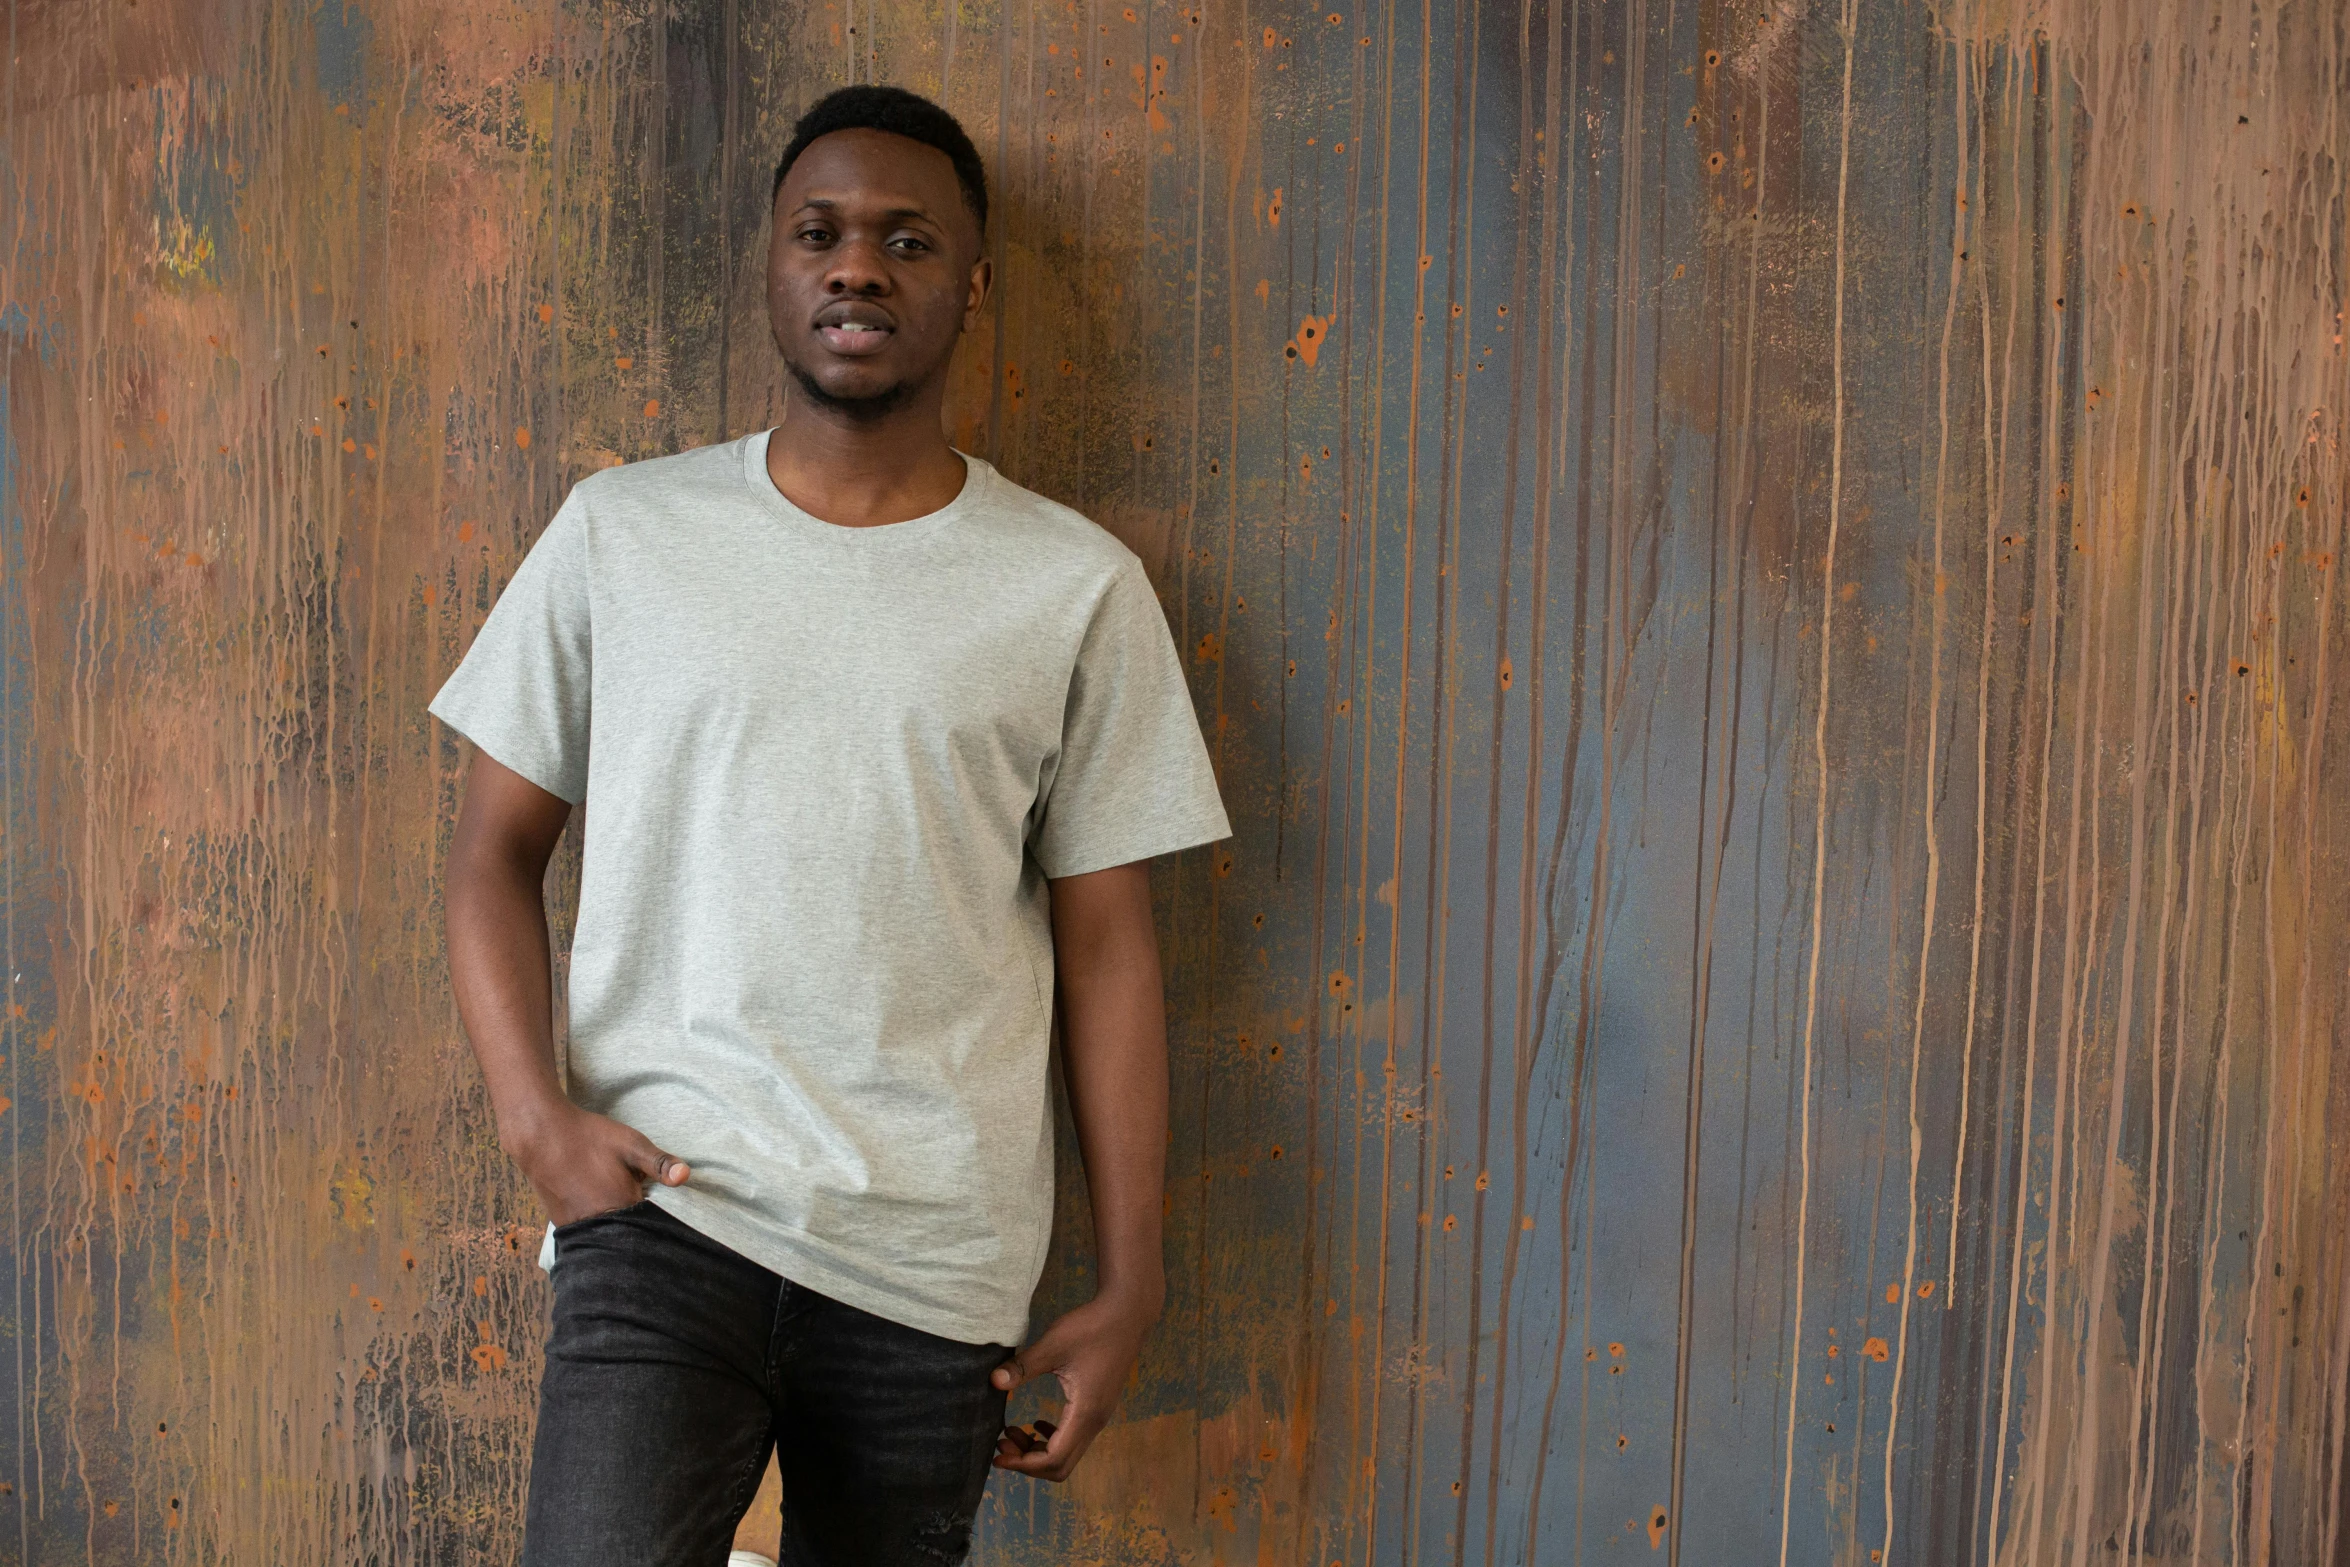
x=1762 y=578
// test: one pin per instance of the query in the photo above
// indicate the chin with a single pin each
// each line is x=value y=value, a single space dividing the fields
x=854 y=402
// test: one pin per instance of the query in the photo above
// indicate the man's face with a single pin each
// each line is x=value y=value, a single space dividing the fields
x=873 y=271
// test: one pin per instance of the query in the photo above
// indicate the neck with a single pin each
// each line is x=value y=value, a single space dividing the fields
x=862 y=473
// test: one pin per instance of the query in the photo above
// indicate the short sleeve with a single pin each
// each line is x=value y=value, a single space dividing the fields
x=1133 y=778
x=521 y=693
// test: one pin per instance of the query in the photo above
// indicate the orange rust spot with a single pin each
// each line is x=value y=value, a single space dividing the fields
x=522 y=437
x=1616 y=1350
x=1656 y=1527
x=546 y=313
x=489 y=1357
x=652 y=407
x=1876 y=1349
x=624 y=362
x=1307 y=345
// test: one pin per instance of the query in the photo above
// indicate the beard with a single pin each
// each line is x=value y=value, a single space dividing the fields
x=871 y=407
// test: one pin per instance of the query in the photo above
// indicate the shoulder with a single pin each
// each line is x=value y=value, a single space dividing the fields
x=691 y=477
x=1045 y=530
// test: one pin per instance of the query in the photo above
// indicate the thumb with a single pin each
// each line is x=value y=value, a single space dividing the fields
x=1027 y=1364
x=652 y=1163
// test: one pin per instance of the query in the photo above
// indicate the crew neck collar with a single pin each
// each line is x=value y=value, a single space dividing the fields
x=976 y=475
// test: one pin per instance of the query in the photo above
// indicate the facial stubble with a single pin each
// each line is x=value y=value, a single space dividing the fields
x=868 y=409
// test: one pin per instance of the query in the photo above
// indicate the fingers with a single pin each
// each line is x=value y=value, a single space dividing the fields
x=1047 y=1451
x=1017 y=1441
x=1026 y=1442
x=651 y=1163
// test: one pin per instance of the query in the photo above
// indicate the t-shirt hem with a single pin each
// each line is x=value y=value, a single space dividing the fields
x=1168 y=841
x=801 y=1260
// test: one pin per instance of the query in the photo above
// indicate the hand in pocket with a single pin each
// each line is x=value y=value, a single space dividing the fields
x=582 y=1164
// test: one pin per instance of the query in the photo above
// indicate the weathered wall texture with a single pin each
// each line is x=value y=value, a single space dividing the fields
x=1764 y=582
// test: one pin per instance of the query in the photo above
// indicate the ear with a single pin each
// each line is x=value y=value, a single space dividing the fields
x=982 y=279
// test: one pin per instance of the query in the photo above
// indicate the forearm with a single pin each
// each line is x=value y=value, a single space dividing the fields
x=1114 y=1053
x=504 y=990
x=499 y=966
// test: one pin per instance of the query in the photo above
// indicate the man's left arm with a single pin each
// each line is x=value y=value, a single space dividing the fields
x=1114 y=1058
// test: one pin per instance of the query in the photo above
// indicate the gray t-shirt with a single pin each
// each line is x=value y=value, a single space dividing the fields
x=827 y=772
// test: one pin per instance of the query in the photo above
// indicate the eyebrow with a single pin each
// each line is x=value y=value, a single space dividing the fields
x=828 y=204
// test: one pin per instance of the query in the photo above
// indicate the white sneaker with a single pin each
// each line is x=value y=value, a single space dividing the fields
x=749 y=1559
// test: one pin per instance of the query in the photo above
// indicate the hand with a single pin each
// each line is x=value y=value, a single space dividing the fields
x=582 y=1164
x=1090 y=1350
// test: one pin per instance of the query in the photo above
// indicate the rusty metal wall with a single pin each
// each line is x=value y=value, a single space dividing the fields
x=1762 y=578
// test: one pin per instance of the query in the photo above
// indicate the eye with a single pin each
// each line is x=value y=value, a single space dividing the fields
x=908 y=244
x=813 y=234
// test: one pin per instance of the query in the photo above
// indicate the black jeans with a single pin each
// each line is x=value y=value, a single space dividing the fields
x=676 y=1364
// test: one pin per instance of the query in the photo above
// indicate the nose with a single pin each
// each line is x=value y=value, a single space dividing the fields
x=856 y=268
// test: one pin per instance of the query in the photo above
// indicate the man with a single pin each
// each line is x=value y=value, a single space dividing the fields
x=876 y=747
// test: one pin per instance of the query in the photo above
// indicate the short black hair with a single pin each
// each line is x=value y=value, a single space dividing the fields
x=901 y=113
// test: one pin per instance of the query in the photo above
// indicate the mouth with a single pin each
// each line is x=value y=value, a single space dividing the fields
x=854 y=329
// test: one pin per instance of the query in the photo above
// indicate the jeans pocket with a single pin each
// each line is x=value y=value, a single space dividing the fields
x=570 y=1225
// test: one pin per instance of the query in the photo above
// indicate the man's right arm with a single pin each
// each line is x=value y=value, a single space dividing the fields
x=580 y=1163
